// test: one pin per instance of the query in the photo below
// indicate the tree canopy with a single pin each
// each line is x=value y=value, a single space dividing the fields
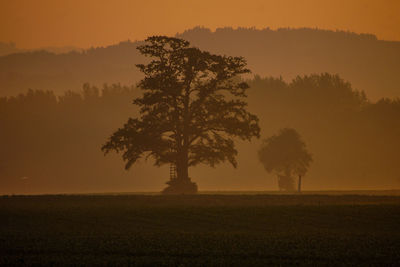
x=285 y=154
x=191 y=109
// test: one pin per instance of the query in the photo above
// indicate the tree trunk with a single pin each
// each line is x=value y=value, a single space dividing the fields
x=182 y=168
x=299 y=186
x=182 y=184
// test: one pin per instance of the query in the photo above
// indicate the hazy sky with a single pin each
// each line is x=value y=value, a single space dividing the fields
x=85 y=23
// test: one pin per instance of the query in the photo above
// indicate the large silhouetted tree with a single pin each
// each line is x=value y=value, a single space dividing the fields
x=191 y=109
x=285 y=154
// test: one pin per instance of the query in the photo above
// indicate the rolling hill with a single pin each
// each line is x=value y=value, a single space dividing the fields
x=370 y=64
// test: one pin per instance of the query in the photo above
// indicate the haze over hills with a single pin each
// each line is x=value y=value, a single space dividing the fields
x=370 y=64
x=11 y=48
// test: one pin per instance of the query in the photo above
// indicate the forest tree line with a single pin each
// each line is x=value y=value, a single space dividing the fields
x=51 y=143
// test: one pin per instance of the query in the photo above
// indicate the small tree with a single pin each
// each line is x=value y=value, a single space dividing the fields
x=286 y=155
x=192 y=106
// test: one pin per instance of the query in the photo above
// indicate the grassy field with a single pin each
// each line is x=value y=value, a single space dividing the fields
x=201 y=230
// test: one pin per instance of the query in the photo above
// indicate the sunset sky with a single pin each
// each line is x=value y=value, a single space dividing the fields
x=41 y=23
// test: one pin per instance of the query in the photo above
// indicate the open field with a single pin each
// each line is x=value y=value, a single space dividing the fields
x=239 y=229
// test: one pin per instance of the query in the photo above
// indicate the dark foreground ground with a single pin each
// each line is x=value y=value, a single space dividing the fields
x=200 y=230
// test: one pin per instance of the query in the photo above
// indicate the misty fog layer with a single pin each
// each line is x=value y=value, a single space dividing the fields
x=51 y=144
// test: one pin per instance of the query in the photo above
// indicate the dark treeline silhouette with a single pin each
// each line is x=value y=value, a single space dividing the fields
x=51 y=143
x=370 y=64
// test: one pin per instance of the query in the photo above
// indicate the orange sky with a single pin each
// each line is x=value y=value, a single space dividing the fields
x=85 y=23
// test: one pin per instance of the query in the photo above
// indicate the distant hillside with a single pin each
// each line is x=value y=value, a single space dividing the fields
x=61 y=72
x=11 y=48
x=369 y=64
